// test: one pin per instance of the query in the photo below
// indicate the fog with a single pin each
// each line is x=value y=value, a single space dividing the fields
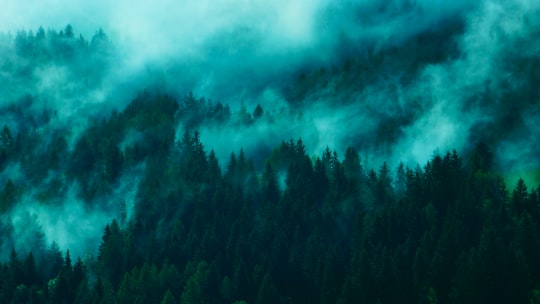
x=480 y=88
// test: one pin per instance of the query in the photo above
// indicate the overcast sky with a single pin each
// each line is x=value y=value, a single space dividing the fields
x=167 y=27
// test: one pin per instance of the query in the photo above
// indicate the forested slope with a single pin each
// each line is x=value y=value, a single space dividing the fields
x=301 y=230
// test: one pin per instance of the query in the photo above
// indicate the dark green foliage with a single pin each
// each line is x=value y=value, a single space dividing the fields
x=6 y=139
x=329 y=233
x=301 y=230
x=258 y=112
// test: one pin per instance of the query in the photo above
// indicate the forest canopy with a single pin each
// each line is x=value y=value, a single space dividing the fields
x=449 y=231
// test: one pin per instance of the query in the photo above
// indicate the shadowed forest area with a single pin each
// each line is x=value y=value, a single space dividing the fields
x=301 y=230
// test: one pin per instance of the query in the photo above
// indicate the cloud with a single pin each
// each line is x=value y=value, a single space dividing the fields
x=233 y=50
x=165 y=29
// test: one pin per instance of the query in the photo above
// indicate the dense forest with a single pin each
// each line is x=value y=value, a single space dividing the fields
x=303 y=229
x=395 y=172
